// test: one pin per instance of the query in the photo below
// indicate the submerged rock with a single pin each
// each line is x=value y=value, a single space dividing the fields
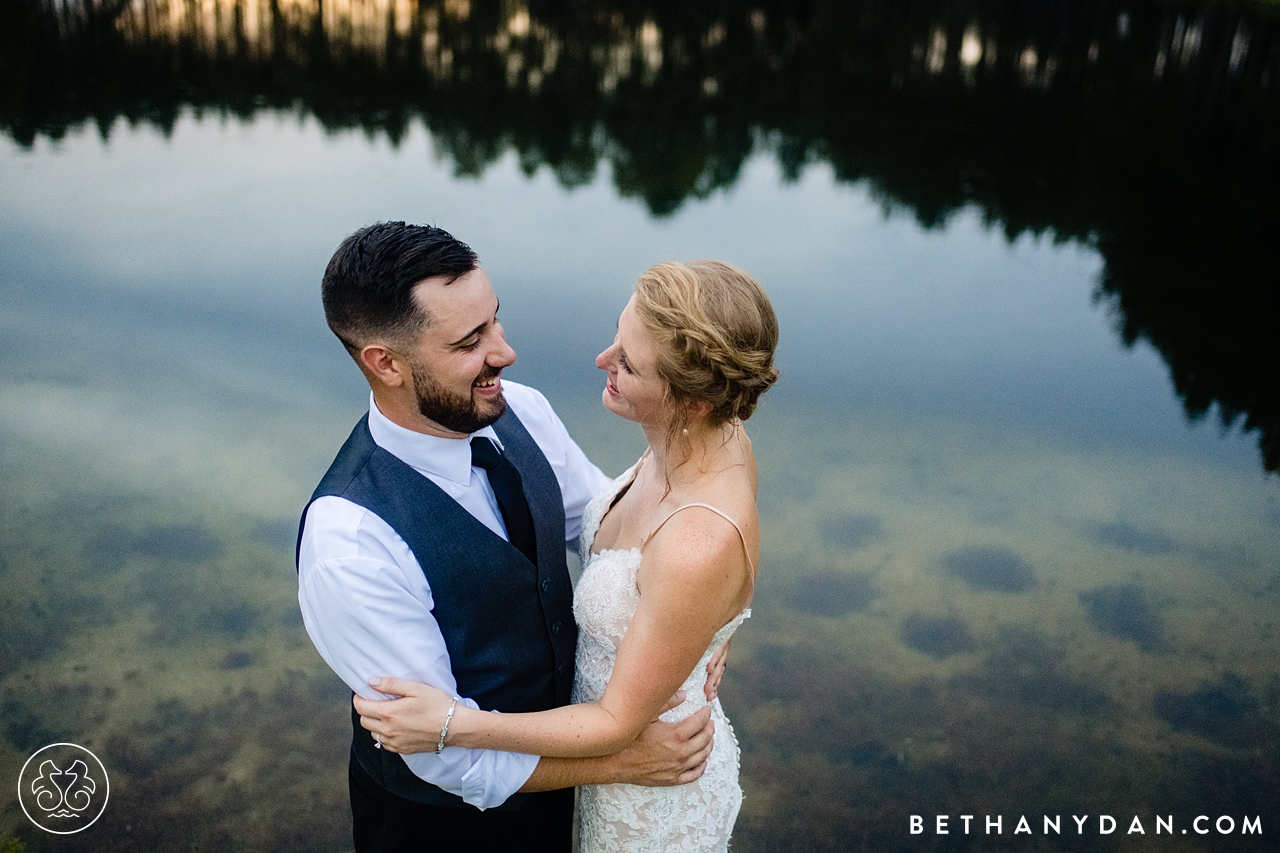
x=851 y=531
x=937 y=636
x=991 y=568
x=24 y=728
x=238 y=659
x=1125 y=611
x=1226 y=712
x=190 y=542
x=1124 y=535
x=278 y=532
x=1026 y=668
x=833 y=593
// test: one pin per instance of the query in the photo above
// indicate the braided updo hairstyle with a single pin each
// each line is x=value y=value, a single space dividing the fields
x=715 y=333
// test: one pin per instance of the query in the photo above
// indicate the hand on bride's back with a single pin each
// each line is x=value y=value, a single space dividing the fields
x=715 y=671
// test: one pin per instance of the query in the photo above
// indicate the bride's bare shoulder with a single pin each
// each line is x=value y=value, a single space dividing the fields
x=700 y=550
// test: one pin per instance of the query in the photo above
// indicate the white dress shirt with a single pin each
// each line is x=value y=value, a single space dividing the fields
x=366 y=602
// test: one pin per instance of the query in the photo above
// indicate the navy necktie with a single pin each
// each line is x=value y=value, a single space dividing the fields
x=508 y=489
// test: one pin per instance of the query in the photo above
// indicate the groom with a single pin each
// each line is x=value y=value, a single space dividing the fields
x=434 y=550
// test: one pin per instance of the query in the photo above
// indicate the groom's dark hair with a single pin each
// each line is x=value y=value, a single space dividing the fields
x=368 y=286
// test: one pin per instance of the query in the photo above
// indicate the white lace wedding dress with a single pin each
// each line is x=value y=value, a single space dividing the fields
x=629 y=818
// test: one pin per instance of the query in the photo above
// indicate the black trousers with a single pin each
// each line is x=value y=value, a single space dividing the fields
x=385 y=823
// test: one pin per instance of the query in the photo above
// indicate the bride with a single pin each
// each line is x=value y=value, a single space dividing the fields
x=669 y=552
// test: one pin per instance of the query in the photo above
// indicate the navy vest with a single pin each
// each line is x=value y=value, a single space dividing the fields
x=507 y=624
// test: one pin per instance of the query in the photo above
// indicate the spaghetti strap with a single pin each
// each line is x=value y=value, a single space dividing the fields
x=746 y=550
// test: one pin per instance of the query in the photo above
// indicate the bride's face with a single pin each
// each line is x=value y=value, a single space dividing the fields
x=633 y=389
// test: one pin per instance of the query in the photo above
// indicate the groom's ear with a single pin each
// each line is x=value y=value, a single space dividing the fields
x=385 y=365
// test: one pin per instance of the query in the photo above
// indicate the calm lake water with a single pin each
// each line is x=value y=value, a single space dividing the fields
x=1021 y=522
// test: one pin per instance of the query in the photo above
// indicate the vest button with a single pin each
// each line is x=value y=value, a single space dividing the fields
x=555 y=627
x=546 y=584
x=559 y=669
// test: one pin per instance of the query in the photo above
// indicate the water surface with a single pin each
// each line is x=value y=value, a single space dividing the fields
x=1019 y=536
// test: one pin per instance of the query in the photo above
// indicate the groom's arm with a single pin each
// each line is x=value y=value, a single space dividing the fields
x=664 y=754
x=367 y=606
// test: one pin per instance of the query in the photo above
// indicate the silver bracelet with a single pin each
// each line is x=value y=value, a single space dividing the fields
x=444 y=731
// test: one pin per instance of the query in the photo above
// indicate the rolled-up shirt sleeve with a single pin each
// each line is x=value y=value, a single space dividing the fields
x=367 y=607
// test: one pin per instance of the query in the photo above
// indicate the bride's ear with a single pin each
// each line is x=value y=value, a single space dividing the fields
x=696 y=410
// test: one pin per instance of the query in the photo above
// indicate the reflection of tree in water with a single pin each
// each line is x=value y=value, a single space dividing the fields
x=1148 y=130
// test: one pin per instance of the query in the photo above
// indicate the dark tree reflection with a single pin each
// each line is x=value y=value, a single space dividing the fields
x=1147 y=130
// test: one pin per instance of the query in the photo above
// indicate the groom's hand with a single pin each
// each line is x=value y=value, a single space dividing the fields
x=715 y=671
x=667 y=753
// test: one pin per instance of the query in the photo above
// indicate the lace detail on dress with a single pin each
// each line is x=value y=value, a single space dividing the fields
x=630 y=818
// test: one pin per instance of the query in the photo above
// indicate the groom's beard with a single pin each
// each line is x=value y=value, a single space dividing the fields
x=460 y=413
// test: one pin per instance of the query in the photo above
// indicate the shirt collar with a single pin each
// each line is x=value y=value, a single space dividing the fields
x=449 y=458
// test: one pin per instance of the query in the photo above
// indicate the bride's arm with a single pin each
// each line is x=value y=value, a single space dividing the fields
x=694 y=579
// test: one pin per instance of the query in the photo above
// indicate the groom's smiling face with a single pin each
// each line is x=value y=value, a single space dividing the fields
x=456 y=360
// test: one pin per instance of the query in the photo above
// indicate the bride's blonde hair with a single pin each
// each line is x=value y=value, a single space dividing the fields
x=715 y=334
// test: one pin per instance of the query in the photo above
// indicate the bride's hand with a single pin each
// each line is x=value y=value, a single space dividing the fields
x=406 y=725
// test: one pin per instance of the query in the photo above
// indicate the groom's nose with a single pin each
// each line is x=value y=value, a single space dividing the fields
x=501 y=355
